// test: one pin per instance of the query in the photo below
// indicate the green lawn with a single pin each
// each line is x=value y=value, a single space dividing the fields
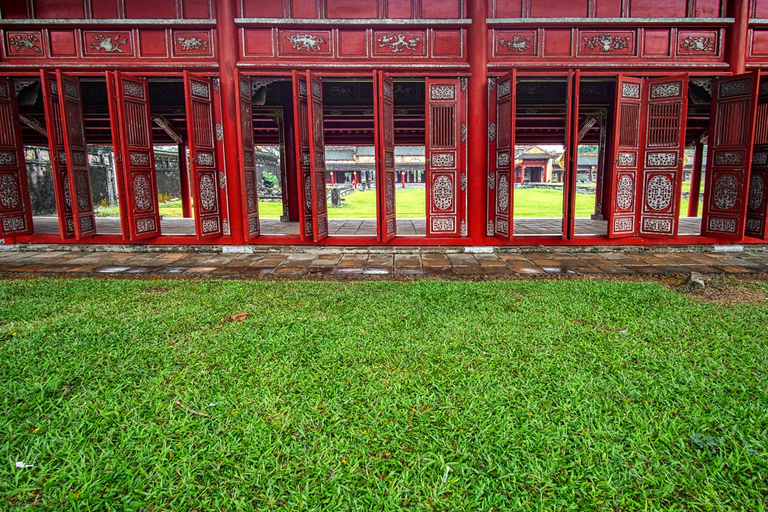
x=411 y=203
x=539 y=395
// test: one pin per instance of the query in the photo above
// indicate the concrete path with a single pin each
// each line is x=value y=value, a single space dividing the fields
x=396 y=263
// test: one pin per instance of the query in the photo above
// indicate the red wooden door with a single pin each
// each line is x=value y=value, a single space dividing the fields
x=136 y=157
x=665 y=113
x=442 y=156
x=303 y=158
x=757 y=201
x=76 y=154
x=203 y=155
x=62 y=190
x=731 y=130
x=503 y=163
x=248 y=159
x=571 y=148
x=15 y=207
x=317 y=157
x=385 y=156
x=627 y=156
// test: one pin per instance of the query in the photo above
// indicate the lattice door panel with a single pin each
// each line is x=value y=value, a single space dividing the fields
x=303 y=157
x=385 y=156
x=15 y=206
x=627 y=156
x=665 y=118
x=757 y=200
x=248 y=159
x=732 y=123
x=136 y=156
x=502 y=162
x=61 y=187
x=443 y=156
x=203 y=155
x=317 y=157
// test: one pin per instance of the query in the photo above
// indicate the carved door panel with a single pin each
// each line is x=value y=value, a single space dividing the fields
x=136 y=157
x=317 y=157
x=303 y=159
x=757 y=201
x=666 y=108
x=385 y=156
x=76 y=155
x=731 y=130
x=203 y=155
x=54 y=125
x=503 y=163
x=571 y=148
x=443 y=115
x=627 y=156
x=15 y=206
x=248 y=159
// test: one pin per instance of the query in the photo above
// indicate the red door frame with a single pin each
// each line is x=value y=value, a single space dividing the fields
x=15 y=203
x=386 y=175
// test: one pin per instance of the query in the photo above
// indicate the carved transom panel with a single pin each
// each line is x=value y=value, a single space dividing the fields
x=133 y=90
x=630 y=91
x=737 y=88
x=442 y=92
x=200 y=90
x=665 y=90
x=722 y=225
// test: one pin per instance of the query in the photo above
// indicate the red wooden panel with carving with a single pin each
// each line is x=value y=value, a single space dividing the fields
x=76 y=153
x=503 y=160
x=303 y=168
x=757 y=201
x=137 y=158
x=571 y=147
x=248 y=158
x=731 y=131
x=386 y=176
x=62 y=190
x=666 y=108
x=444 y=116
x=15 y=207
x=317 y=157
x=627 y=156
x=203 y=155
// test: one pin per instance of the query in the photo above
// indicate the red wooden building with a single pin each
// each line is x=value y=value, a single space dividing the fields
x=467 y=79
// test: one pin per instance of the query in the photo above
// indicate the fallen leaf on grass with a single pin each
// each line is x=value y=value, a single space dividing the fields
x=237 y=317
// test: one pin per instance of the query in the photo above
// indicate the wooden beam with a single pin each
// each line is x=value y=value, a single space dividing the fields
x=587 y=125
x=168 y=128
x=34 y=124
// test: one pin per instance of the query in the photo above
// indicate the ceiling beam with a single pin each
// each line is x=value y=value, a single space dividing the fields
x=169 y=129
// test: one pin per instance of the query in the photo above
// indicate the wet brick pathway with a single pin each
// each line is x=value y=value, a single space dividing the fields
x=343 y=264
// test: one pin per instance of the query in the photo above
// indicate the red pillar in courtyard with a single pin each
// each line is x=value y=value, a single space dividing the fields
x=736 y=36
x=693 y=198
x=226 y=12
x=477 y=122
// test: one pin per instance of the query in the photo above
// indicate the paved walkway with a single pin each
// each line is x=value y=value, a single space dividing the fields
x=354 y=263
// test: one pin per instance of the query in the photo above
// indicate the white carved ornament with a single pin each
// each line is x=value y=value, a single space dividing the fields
x=492 y=180
x=738 y=88
x=442 y=160
x=725 y=192
x=722 y=225
x=662 y=159
x=399 y=42
x=729 y=158
x=442 y=193
x=658 y=194
x=489 y=228
x=657 y=225
x=253 y=226
x=86 y=223
x=756 y=192
x=502 y=89
x=442 y=92
x=83 y=197
x=210 y=225
x=7 y=158
x=759 y=158
x=443 y=224
x=190 y=44
x=502 y=159
x=250 y=191
x=607 y=42
x=630 y=91
x=665 y=90
x=623 y=225
x=10 y=197
x=107 y=44
x=25 y=43
x=145 y=225
x=627 y=159
x=754 y=225
x=133 y=89
x=14 y=224
x=200 y=89
x=517 y=43
x=207 y=193
x=698 y=44
x=503 y=194
x=139 y=159
x=142 y=196
x=390 y=193
x=305 y=42
x=625 y=192
x=502 y=226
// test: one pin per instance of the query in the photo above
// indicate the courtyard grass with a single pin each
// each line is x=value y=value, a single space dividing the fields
x=411 y=203
x=539 y=395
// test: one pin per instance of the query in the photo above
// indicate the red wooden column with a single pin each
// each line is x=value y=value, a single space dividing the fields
x=693 y=198
x=477 y=122
x=736 y=36
x=226 y=12
x=186 y=210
